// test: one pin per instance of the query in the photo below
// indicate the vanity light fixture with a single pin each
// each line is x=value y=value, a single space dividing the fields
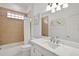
x=49 y=7
x=53 y=10
x=65 y=5
x=58 y=8
x=53 y=7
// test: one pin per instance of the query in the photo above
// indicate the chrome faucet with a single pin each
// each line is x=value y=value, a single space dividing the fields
x=51 y=39
x=54 y=40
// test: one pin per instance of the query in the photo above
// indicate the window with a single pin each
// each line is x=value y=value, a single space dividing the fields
x=9 y=14
x=15 y=15
x=21 y=17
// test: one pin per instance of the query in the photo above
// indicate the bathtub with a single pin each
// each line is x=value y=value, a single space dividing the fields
x=15 y=49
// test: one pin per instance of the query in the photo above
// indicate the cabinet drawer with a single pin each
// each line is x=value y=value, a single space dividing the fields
x=45 y=52
x=41 y=51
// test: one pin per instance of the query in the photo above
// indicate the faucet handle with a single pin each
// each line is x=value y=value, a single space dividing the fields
x=58 y=41
x=54 y=41
x=51 y=38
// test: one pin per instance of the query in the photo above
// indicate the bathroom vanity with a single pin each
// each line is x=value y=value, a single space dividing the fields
x=38 y=50
x=42 y=47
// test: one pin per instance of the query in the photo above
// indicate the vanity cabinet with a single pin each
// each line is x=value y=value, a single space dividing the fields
x=37 y=50
x=41 y=47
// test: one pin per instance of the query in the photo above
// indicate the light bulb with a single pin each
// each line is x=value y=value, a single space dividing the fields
x=53 y=10
x=58 y=8
x=48 y=8
x=54 y=5
x=65 y=5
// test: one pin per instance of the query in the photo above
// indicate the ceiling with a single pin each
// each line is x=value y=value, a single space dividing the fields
x=17 y=6
x=25 y=7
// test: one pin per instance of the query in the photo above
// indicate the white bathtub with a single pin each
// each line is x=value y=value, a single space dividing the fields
x=14 y=49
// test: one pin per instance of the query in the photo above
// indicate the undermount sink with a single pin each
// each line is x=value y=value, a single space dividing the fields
x=49 y=43
x=53 y=45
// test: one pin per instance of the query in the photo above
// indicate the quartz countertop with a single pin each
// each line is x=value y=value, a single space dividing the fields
x=62 y=50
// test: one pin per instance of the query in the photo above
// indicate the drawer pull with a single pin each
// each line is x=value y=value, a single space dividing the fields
x=42 y=55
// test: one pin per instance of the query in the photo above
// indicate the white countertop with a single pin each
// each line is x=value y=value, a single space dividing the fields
x=63 y=50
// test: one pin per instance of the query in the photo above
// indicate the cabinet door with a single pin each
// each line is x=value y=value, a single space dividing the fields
x=32 y=51
x=44 y=52
x=35 y=51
